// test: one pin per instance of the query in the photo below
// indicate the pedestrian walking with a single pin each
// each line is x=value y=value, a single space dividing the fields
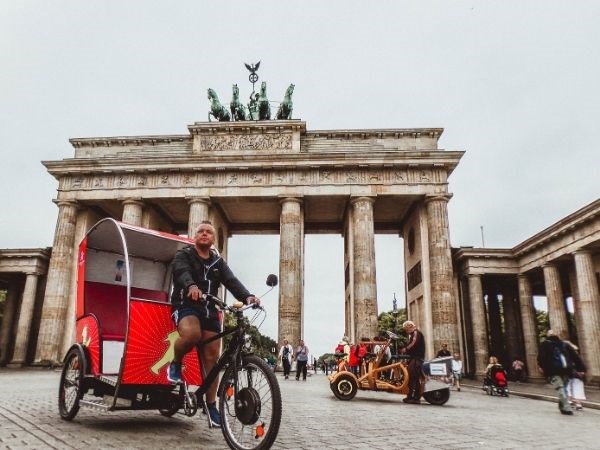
x=553 y=360
x=301 y=357
x=285 y=355
x=457 y=371
x=576 y=385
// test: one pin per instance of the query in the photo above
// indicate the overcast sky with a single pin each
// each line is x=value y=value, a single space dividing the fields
x=514 y=84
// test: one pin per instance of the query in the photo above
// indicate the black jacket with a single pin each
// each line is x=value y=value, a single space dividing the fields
x=546 y=357
x=416 y=345
x=207 y=274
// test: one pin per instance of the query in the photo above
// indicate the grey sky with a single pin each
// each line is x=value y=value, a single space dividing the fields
x=514 y=84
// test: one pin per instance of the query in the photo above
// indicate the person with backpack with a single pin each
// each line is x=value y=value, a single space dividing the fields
x=554 y=360
x=285 y=354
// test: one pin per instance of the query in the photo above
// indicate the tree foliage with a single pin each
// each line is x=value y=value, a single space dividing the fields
x=261 y=345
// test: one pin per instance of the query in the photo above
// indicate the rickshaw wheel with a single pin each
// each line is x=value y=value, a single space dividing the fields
x=170 y=411
x=344 y=387
x=437 y=397
x=70 y=390
x=250 y=413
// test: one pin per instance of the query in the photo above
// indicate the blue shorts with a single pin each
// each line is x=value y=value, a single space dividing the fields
x=206 y=323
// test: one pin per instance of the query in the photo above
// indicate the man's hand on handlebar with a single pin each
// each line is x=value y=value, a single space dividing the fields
x=194 y=293
x=252 y=300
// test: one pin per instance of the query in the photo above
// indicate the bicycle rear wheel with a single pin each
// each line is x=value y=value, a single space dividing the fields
x=250 y=420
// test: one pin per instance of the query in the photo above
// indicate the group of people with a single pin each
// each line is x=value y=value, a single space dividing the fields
x=199 y=269
x=287 y=354
x=457 y=365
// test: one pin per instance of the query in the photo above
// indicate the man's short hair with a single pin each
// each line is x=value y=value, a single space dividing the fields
x=204 y=222
x=408 y=323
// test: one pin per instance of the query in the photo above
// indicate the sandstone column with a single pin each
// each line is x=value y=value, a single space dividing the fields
x=291 y=267
x=24 y=322
x=480 y=340
x=365 y=283
x=10 y=311
x=589 y=303
x=557 y=313
x=511 y=323
x=199 y=211
x=495 y=326
x=529 y=323
x=52 y=323
x=443 y=303
x=133 y=210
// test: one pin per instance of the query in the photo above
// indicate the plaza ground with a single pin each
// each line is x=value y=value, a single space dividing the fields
x=312 y=419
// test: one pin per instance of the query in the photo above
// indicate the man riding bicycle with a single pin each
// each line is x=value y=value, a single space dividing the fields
x=199 y=270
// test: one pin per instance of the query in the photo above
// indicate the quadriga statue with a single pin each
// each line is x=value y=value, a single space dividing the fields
x=264 y=109
x=238 y=110
x=217 y=110
x=284 y=112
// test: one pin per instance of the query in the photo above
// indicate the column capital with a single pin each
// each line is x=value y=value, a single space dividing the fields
x=60 y=203
x=523 y=276
x=441 y=197
x=291 y=198
x=192 y=200
x=362 y=198
x=581 y=251
x=474 y=275
x=133 y=201
x=548 y=264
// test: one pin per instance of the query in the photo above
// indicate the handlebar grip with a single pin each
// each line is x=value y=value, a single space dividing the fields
x=238 y=305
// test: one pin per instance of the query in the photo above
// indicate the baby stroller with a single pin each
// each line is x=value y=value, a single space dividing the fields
x=495 y=382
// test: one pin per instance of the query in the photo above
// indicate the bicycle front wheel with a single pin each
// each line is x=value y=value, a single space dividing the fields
x=250 y=419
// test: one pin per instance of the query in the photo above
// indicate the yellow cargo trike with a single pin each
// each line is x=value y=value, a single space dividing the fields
x=393 y=377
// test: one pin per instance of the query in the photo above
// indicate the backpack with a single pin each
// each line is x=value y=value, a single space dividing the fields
x=286 y=351
x=559 y=358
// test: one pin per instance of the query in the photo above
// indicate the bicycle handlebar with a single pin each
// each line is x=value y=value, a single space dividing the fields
x=236 y=306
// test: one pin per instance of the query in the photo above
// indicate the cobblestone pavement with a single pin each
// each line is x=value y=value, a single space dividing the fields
x=312 y=419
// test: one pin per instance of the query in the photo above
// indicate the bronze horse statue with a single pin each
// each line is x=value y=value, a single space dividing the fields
x=264 y=109
x=284 y=112
x=238 y=110
x=217 y=110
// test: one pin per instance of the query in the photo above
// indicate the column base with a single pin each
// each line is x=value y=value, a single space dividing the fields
x=16 y=364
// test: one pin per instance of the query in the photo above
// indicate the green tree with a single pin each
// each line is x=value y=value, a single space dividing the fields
x=261 y=345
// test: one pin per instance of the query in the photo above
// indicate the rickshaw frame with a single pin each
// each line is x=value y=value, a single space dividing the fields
x=109 y=315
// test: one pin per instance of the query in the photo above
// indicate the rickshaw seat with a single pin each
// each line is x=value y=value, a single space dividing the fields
x=108 y=302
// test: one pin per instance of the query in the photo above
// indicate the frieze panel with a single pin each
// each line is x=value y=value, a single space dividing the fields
x=240 y=178
x=241 y=142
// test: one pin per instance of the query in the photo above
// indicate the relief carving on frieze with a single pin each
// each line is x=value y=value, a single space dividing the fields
x=243 y=142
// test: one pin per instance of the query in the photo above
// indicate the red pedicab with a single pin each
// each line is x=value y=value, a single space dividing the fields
x=125 y=341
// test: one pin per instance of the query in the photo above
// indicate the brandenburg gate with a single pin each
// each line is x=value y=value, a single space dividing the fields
x=270 y=176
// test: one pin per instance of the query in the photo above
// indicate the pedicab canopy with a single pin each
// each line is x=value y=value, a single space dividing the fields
x=123 y=312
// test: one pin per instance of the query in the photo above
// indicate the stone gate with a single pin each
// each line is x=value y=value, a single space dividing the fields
x=269 y=177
